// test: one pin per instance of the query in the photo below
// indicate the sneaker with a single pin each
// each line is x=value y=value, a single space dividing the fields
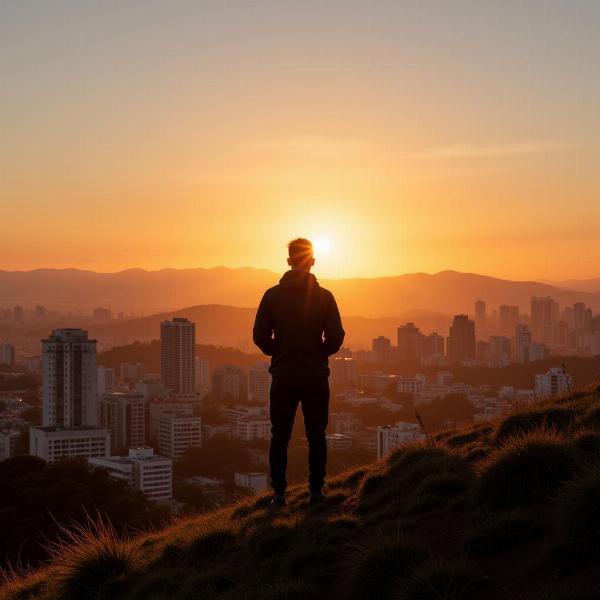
x=278 y=501
x=316 y=498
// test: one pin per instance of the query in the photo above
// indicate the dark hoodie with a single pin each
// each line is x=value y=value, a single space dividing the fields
x=298 y=324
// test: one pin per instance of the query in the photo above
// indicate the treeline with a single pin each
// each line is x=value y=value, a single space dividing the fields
x=149 y=355
x=38 y=498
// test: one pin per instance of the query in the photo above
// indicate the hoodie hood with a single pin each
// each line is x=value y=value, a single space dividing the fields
x=297 y=281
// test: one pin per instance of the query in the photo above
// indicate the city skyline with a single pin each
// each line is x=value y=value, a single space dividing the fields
x=414 y=137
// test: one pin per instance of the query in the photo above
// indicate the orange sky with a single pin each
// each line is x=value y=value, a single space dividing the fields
x=414 y=138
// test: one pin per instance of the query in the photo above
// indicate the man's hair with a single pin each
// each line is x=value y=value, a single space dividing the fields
x=300 y=251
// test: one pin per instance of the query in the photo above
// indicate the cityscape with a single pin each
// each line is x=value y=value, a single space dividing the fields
x=137 y=424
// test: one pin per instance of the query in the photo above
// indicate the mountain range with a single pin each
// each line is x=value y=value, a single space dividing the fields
x=446 y=292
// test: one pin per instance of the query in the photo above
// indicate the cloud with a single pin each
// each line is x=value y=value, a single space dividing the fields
x=470 y=150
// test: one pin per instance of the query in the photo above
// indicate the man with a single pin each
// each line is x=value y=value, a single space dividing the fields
x=298 y=324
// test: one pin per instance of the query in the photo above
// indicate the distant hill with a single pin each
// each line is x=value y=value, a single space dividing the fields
x=447 y=292
x=506 y=509
x=232 y=326
x=582 y=285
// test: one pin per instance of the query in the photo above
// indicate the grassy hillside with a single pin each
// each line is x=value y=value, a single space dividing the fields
x=507 y=510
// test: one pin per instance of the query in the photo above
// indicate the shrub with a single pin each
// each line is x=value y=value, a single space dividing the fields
x=528 y=420
x=588 y=443
x=502 y=532
x=443 y=580
x=526 y=469
x=376 y=563
x=578 y=516
x=438 y=491
x=90 y=560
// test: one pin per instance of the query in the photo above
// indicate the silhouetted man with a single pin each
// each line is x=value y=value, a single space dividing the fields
x=298 y=324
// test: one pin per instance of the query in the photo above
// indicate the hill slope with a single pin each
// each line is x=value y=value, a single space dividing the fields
x=509 y=509
x=448 y=292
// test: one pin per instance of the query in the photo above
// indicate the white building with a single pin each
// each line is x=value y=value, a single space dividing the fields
x=123 y=414
x=253 y=482
x=178 y=433
x=411 y=385
x=338 y=441
x=9 y=441
x=7 y=354
x=249 y=423
x=151 y=387
x=143 y=470
x=390 y=437
x=107 y=380
x=259 y=383
x=202 y=375
x=209 y=431
x=55 y=443
x=69 y=379
x=553 y=383
x=158 y=409
x=177 y=354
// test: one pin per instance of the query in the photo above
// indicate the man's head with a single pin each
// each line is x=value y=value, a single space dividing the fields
x=300 y=252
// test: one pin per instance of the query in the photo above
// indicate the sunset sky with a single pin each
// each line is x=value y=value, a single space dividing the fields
x=413 y=135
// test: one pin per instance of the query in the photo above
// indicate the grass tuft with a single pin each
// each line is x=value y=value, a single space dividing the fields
x=526 y=469
x=376 y=562
x=90 y=561
x=443 y=580
x=578 y=516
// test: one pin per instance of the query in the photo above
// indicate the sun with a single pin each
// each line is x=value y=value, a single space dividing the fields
x=322 y=246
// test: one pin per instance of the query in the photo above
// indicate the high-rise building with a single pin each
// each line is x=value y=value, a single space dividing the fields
x=523 y=340
x=40 y=312
x=106 y=380
x=18 y=313
x=461 y=339
x=382 y=349
x=7 y=354
x=544 y=314
x=178 y=433
x=202 y=374
x=177 y=353
x=480 y=313
x=69 y=399
x=69 y=379
x=123 y=414
x=509 y=317
x=259 y=383
x=150 y=474
x=227 y=382
x=409 y=341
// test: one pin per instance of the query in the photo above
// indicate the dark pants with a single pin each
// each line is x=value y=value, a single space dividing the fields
x=313 y=394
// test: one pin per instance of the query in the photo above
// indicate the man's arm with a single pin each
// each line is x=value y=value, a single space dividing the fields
x=333 y=332
x=262 y=334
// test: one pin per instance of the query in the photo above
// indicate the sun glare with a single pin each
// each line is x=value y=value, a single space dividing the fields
x=322 y=246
